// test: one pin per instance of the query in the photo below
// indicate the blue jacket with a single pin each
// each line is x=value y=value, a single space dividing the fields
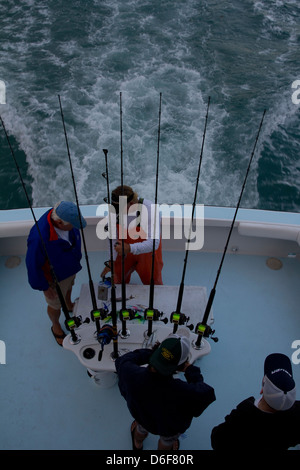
x=164 y=406
x=64 y=258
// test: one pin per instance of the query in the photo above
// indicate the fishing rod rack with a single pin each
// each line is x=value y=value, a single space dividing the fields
x=83 y=344
x=88 y=348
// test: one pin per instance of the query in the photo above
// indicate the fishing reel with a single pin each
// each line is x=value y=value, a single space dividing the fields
x=179 y=319
x=78 y=320
x=104 y=337
x=71 y=324
x=75 y=322
x=204 y=331
x=126 y=315
x=96 y=316
x=99 y=314
x=152 y=314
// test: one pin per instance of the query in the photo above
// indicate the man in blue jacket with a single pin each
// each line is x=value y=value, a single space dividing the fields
x=59 y=228
x=179 y=400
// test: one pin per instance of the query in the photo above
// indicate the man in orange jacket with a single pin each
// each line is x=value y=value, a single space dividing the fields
x=139 y=227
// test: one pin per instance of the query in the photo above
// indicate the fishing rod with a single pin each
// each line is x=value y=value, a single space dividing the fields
x=177 y=317
x=150 y=313
x=114 y=332
x=95 y=313
x=202 y=329
x=125 y=313
x=70 y=322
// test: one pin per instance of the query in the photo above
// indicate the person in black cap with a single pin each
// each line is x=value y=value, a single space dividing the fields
x=59 y=228
x=138 y=233
x=160 y=403
x=269 y=423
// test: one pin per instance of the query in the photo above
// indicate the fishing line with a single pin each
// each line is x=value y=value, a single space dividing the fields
x=95 y=313
x=115 y=353
x=150 y=313
x=121 y=220
x=151 y=295
x=177 y=317
x=125 y=313
x=202 y=329
x=70 y=323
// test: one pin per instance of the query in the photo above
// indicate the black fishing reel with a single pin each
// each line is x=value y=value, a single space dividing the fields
x=126 y=315
x=152 y=314
x=206 y=331
x=71 y=324
x=99 y=314
x=78 y=320
x=75 y=322
x=180 y=319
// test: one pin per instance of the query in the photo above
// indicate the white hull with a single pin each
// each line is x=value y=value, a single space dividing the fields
x=47 y=399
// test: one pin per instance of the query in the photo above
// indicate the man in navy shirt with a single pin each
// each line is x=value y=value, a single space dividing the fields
x=268 y=423
x=160 y=403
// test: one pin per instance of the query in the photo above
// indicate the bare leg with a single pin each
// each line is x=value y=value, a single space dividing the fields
x=69 y=303
x=138 y=437
x=54 y=317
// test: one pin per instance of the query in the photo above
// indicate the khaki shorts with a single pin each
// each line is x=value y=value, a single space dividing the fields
x=65 y=286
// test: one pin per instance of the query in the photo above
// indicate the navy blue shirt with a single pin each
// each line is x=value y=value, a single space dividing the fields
x=248 y=427
x=163 y=405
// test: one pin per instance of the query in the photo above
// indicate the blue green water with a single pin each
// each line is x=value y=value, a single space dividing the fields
x=243 y=54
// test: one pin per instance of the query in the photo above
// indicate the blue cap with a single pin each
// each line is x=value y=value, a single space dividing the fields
x=68 y=212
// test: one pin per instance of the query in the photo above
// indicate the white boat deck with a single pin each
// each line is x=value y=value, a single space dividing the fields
x=48 y=401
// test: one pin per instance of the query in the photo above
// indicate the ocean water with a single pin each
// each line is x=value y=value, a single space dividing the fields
x=243 y=54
